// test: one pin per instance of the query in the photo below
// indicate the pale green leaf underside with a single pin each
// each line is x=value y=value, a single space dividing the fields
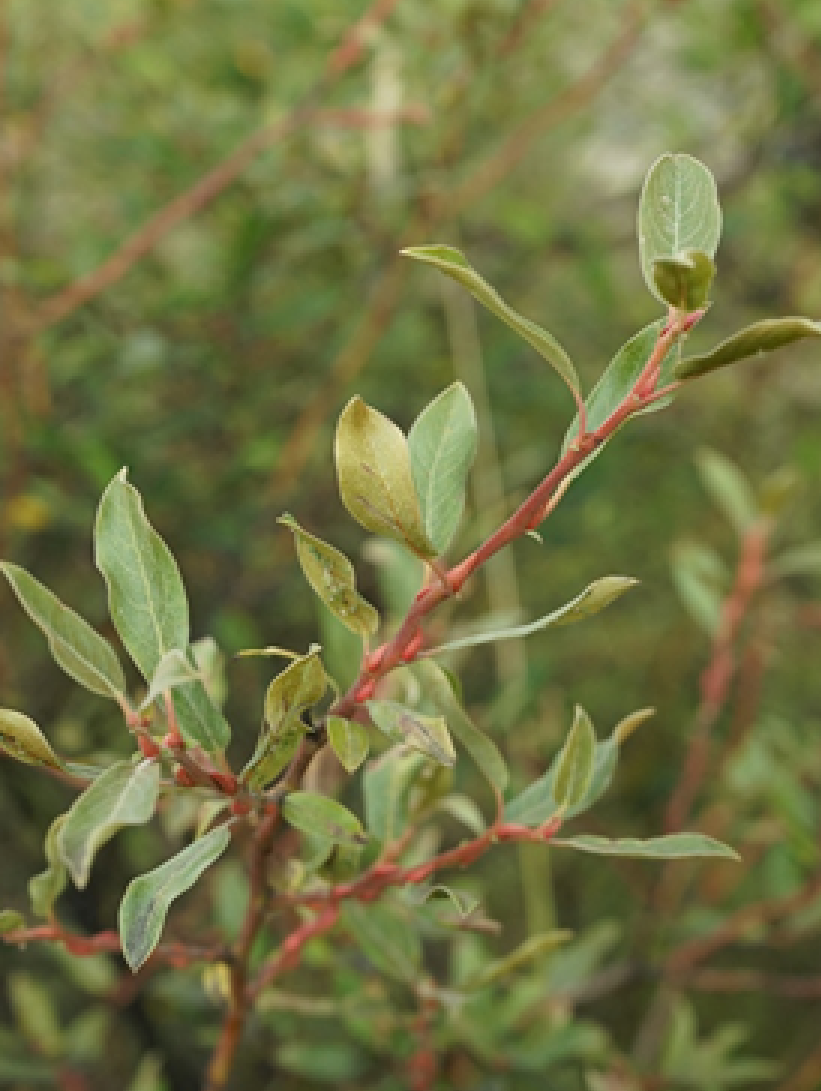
x=21 y=738
x=332 y=577
x=199 y=719
x=146 y=597
x=428 y=734
x=574 y=769
x=124 y=795
x=44 y=889
x=753 y=341
x=349 y=741
x=322 y=817
x=173 y=670
x=146 y=901
x=678 y=211
x=442 y=445
x=672 y=846
x=452 y=262
x=76 y=647
x=594 y=598
x=375 y=478
x=386 y=785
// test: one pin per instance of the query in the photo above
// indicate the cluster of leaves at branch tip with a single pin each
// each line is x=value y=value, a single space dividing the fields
x=412 y=490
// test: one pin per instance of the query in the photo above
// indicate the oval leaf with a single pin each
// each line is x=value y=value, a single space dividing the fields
x=729 y=488
x=678 y=211
x=673 y=846
x=442 y=445
x=349 y=741
x=386 y=937
x=320 y=816
x=754 y=340
x=332 y=577
x=21 y=738
x=145 y=904
x=574 y=770
x=595 y=597
x=375 y=480
x=452 y=262
x=428 y=734
x=173 y=670
x=76 y=647
x=482 y=749
x=146 y=597
x=684 y=281
x=124 y=795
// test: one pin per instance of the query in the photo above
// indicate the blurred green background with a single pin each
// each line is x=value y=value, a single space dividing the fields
x=254 y=183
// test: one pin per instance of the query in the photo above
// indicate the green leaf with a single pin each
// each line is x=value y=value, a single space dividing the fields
x=574 y=769
x=428 y=734
x=678 y=211
x=729 y=488
x=199 y=719
x=21 y=738
x=46 y=888
x=533 y=948
x=375 y=479
x=801 y=561
x=76 y=647
x=297 y=688
x=387 y=938
x=387 y=784
x=322 y=817
x=124 y=795
x=146 y=597
x=332 y=577
x=442 y=444
x=594 y=598
x=35 y=1015
x=696 y=584
x=145 y=904
x=11 y=921
x=616 y=383
x=482 y=749
x=173 y=670
x=684 y=280
x=754 y=340
x=211 y=667
x=672 y=846
x=452 y=262
x=349 y=741
x=464 y=904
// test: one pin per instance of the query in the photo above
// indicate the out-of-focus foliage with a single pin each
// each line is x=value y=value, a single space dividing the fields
x=214 y=369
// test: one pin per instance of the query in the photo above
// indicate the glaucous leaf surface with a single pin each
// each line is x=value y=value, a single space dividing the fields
x=672 y=846
x=595 y=597
x=147 y=898
x=442 y=445
x=146 y=597
x=482 y=749
x=753 y=341
x=173 y=670
x=349 y=741
x=684 y=281
x=574 y=768
x=199 y=719
x=386 y=786
x=76 y=647
x=678 y=211
x=375 y=478
x=124 y=795
x=322 y=817
x=428 y=734
x=452 y=262
x=21 y=738
x=332 y=577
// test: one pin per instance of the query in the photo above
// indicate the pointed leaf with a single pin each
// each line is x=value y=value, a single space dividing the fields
x=46 y=888
x=332 y=577
x=729 y=488
x=684 y=281
x=428 y=734
x=754 y=340
x=124 y=795
x=595 y=597
x=173 y=670
x=673 y=846
x=387 y=784
x=146 y=597
x=322 y=817
x=678 y=211
x=11 y=921
x=442 y=445
x=452 y=262
x=375 y=479
x=574 y=770
x=482 y=749
x=21 y=738
x=533 y=948
x=76 y=647
x=145 y=904
x=199 y=719
x=349 y=741
x=297 y=688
